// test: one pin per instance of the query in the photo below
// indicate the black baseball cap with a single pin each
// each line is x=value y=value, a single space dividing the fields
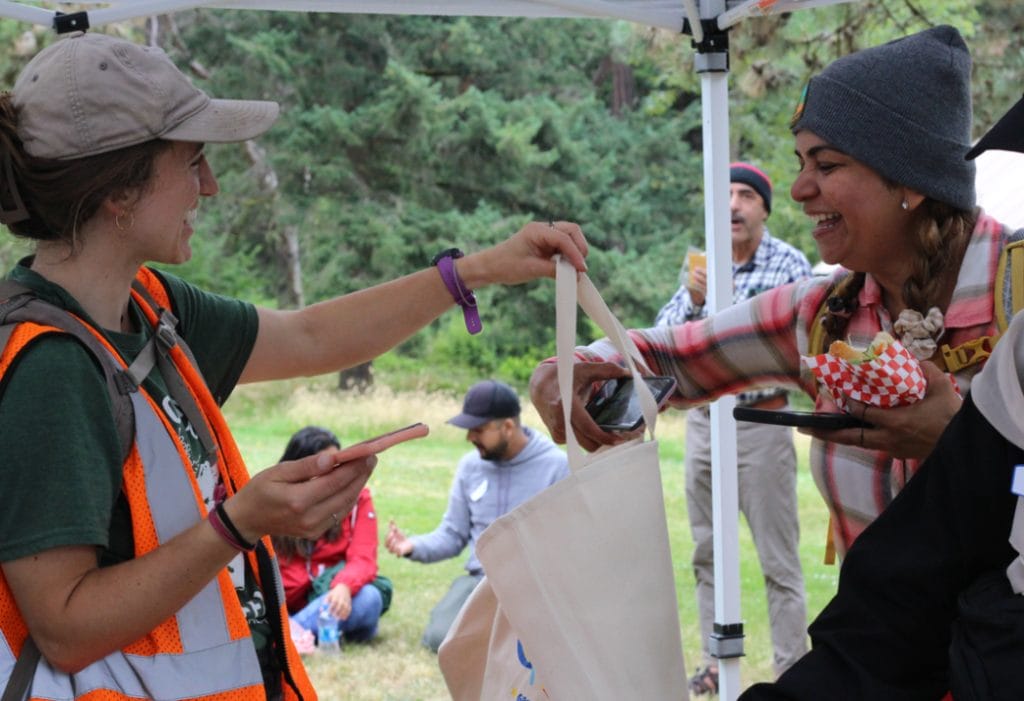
x=486 y=401
x=1006 y=135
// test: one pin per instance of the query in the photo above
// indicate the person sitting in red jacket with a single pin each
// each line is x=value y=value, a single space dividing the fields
x=338 y=570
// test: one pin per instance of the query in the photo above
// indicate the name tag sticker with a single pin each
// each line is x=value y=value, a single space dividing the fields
x=1017 y=486
x=481 y=489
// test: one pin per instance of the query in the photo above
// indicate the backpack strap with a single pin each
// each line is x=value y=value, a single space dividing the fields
x=1008 y=299
x=1009 y=285
x=20 y=681
x=817 y=336
x=21 y=305
x=158 y=351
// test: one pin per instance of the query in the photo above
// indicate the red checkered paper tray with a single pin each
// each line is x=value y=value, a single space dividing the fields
x=892 y=378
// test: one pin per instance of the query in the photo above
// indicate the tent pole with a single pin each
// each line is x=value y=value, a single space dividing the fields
x=34 y=15
x=712 y=63
x=142 y=8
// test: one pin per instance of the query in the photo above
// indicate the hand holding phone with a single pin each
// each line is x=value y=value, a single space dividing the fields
x=615 y=406
x=377 y=444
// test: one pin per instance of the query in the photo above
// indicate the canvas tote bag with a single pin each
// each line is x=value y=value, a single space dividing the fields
x=579 y=577
x=482 y=657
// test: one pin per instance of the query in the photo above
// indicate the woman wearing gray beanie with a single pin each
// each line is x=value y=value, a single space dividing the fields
x=927 y=599
x=881 y=137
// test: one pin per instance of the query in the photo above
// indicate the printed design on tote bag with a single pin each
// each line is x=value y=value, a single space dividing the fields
x=521 y=654
x=525 y=662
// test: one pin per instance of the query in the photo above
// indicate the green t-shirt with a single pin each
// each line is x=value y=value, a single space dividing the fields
x=60 y=457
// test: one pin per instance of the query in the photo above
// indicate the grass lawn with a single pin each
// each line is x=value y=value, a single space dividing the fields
x=410 y=485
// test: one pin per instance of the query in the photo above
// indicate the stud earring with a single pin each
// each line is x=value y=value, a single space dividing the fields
x=904 y=205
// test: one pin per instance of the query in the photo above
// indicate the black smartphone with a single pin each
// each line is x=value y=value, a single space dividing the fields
x=808 y=419
x=615 y=406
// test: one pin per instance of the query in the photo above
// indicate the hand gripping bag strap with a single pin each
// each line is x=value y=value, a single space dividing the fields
x=24 y=670
x=572 y=287
x=157 y=352
x=569 y=626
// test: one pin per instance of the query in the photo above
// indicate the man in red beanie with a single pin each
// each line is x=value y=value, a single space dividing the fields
x=766 y=457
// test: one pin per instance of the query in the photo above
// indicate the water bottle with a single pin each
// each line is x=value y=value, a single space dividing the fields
x=327 y=634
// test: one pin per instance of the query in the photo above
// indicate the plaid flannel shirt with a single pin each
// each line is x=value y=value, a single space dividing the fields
x=759 y=342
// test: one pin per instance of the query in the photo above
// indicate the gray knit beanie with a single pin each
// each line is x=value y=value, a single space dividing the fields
x=903 y=109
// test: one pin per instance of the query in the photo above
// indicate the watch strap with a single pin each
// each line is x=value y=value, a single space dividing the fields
x=463 y=296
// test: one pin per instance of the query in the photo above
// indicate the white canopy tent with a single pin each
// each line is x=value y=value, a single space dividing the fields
x=707 y=21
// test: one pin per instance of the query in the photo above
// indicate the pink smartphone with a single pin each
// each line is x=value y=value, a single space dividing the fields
x=377 y=444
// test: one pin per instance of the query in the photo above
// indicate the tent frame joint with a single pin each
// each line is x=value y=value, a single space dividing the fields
x=712 y=50
x=714 y=41
x=65 y=23
x=726 y=641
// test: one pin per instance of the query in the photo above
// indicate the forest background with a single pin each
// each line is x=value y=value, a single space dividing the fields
x=402 y=136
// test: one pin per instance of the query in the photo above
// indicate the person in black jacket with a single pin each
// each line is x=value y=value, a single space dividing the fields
x=887 y=633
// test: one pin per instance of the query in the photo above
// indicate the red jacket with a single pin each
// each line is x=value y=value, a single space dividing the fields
x=356 y=545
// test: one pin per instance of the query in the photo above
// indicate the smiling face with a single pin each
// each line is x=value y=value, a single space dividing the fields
x=165 y=211
x=858 y=220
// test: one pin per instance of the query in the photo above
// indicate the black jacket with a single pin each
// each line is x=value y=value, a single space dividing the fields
x=886 y=633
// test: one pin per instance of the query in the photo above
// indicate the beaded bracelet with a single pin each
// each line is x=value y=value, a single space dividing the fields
x=218 y=518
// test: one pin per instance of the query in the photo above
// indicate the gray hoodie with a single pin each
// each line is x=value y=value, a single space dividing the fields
x=483 y=490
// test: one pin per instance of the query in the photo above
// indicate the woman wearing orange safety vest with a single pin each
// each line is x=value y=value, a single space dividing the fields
x=135 y=559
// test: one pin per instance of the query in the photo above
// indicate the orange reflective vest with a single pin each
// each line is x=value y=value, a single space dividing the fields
x=205 y=650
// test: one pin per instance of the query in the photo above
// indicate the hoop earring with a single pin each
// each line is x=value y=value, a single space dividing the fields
x=120 y=226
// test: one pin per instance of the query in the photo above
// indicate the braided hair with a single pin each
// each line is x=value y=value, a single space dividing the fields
x=940 y=241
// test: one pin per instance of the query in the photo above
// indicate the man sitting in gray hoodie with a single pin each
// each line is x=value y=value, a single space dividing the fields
x=511 y=464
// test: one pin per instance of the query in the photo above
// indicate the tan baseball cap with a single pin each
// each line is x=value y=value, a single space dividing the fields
x=91 y=93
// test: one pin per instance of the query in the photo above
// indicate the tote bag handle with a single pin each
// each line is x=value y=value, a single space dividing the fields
x=572 y=288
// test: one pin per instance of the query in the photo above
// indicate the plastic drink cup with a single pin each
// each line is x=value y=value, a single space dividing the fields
x=695 y=259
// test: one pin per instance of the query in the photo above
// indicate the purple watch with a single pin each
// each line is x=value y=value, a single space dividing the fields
x=445 y=262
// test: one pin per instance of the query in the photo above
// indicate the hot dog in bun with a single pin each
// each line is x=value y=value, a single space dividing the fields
x=884 y=374
x=841 y=349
